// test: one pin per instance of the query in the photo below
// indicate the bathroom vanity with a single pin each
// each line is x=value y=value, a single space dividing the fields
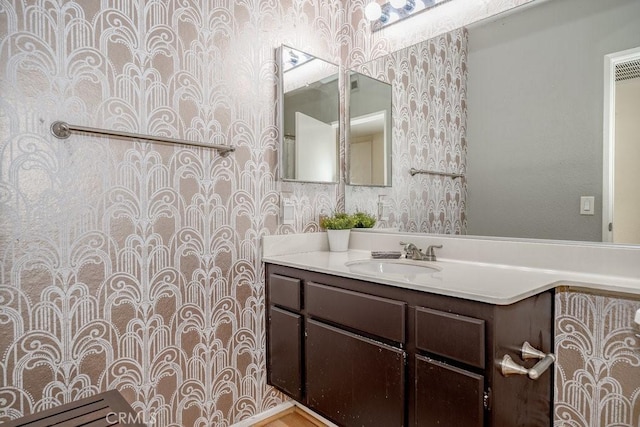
x=363 y=353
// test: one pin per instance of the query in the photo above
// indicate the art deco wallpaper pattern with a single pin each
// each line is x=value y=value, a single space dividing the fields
x=598 y=367
x=130 y=265
x=429 y=123
x=137 y=266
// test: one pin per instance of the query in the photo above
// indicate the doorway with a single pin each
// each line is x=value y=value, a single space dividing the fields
x=621 y=189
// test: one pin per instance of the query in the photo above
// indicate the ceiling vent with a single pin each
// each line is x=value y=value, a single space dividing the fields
x=628 y=70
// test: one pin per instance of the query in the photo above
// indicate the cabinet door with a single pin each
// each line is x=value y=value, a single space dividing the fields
x=285 y=351
x=354 y=380
x=447 y=396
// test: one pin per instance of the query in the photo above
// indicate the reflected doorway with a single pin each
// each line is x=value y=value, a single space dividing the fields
x=621 y=216
x=367 y=147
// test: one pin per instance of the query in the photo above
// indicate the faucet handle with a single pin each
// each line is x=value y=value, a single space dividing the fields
x=431 y=254
x=412 y=251
x=408 y=246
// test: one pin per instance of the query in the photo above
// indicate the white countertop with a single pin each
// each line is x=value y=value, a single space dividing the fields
x=485 y=282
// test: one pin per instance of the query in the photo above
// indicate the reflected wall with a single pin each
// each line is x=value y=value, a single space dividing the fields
x=428 y=132
x=535 y=117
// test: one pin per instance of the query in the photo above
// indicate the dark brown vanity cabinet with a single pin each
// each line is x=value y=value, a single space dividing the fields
x=352 y=379
x=366 y=354
x=285 y=328
x=355 y=363
x=448 y=394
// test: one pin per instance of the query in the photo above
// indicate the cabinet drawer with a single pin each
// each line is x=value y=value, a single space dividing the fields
x=450 y=335
x=367 y=313
x=284 y=291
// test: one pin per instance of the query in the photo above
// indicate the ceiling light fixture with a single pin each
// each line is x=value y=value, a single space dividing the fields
x=396 y=10
x=373 y=11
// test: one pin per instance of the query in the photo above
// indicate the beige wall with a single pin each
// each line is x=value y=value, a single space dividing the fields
x=134 y=266
x=598 y=359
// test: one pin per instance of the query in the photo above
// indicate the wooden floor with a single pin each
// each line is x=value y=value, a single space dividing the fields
x=291 y=417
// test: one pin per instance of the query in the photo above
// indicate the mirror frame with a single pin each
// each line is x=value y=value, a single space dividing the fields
x=280 y=120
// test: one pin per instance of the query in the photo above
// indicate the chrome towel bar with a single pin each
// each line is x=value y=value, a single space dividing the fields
x=63 y=130
x=414 y=171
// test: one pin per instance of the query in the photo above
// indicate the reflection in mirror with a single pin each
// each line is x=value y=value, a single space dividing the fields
x=369 y=131
x=535 y=118
x=428 y=133
x=529 y=105
x=309 y=100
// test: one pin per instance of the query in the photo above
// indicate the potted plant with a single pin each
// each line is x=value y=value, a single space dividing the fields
x=338 y=227
x=363 y=220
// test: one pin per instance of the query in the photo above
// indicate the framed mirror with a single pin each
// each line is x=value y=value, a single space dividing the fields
x=309 y=100
x=535 y=92
x=516 y=105
x=369 y=131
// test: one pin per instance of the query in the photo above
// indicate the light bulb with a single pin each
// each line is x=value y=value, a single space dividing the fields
x=373 y=11
x=392 y=17
x=397 y=4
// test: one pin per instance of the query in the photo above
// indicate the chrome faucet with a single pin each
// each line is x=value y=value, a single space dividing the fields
x=431 y=253
x=413 y=252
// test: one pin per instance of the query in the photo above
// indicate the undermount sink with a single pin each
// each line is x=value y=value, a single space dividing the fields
x=407 y=269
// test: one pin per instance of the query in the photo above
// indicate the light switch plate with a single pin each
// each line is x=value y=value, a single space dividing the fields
x=587 y=205
x=383 y=208
x=287 y=208
x=288 y=213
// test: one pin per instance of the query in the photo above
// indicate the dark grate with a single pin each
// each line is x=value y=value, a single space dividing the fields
x=628 y=70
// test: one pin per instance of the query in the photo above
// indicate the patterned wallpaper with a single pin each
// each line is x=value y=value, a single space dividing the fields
x=136 y=266
x=131 y=265
x=598 y=367
x=429 y=123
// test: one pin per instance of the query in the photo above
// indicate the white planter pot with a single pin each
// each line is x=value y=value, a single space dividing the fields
x=338 y=240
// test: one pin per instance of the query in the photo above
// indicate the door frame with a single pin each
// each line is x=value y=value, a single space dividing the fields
x=608 y=154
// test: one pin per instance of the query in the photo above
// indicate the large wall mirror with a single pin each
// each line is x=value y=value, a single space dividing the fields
x=309 y=100
x=369 y=131
x=523 y=120
x=535 y=92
